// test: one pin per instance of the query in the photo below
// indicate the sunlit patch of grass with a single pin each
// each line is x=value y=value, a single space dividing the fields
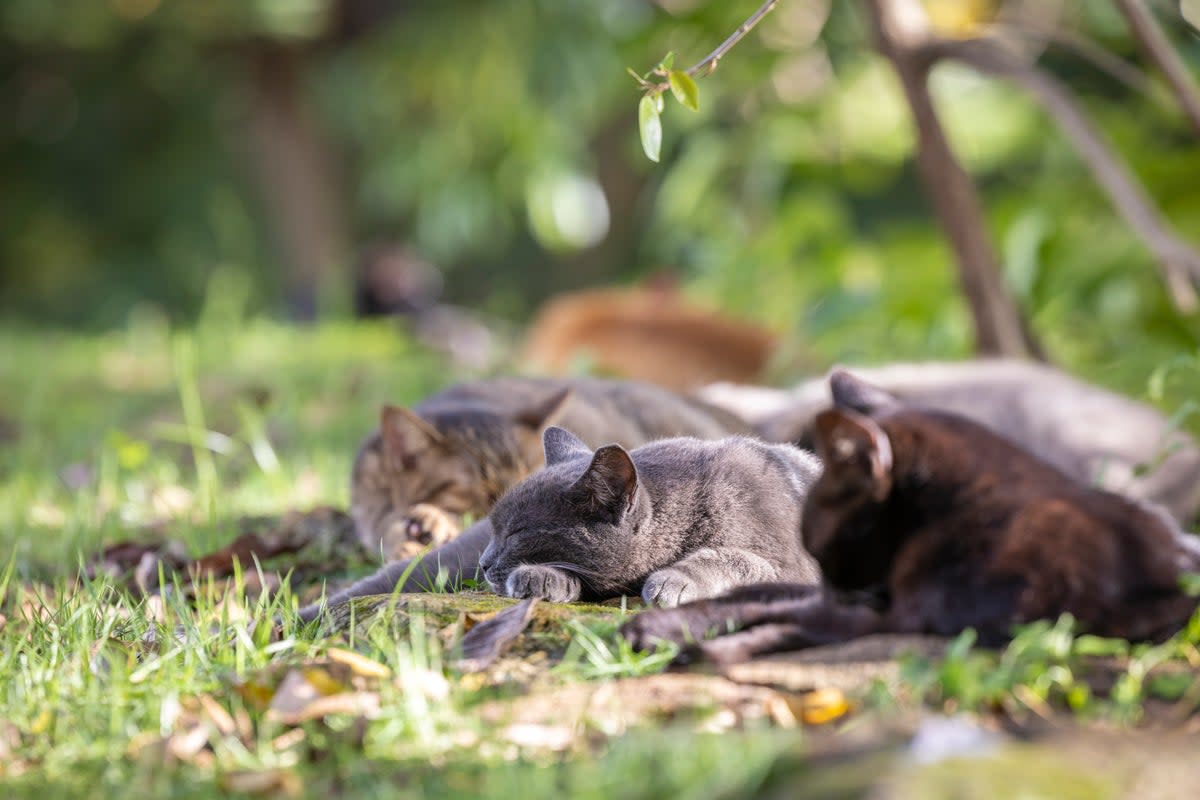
x=1049 y=668
x=149 y=432
x=159 y=433
x=597 y=651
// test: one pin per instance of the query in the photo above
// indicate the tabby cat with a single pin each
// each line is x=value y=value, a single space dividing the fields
x=456 y=452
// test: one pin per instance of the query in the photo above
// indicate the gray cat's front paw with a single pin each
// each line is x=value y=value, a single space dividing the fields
x=670 y=587
x=548 y=583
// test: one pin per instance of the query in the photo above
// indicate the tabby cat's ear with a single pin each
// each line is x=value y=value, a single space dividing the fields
x=405 y=434
x=610 y=482
x=546 y=412
x=853 y=393
x=562 y=445
x=856 y=453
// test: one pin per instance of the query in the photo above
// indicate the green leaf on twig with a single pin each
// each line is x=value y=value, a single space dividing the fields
x=684 y=89
x=650 y=126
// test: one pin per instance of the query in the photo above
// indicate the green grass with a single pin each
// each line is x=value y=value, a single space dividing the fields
x=159 y=433
x=187 y=432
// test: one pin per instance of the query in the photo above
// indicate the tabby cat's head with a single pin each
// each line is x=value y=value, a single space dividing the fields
x=459 y=459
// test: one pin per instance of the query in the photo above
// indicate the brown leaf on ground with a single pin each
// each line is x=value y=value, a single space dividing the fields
x=847 y=667
x=320 y=542
x=273 y=782
x=358 y=663
x=312 y=693
x=486 y=640
x=138 y=562
x=711 y=702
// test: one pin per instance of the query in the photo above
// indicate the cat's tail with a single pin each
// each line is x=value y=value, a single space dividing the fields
x=449 y=565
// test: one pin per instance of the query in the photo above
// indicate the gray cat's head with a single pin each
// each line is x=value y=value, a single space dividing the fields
x=580 y=514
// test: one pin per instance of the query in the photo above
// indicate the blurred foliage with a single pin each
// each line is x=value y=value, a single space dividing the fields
x=500 y=140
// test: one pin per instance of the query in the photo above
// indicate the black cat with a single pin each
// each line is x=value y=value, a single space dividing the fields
x=926 y=522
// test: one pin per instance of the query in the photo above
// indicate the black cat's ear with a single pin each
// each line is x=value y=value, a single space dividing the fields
x=856 y=453
x=561 y=445
x=405 y=434
x=610 y=482
x=547 y=412
x=852 y=392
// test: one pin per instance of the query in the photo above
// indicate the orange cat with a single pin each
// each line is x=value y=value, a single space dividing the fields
x=649 y=334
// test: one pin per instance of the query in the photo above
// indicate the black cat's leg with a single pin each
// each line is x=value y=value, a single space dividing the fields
x=1152 y=619
x=693 y=622
x=818 y=623
x=785 y=625
x=458 y=560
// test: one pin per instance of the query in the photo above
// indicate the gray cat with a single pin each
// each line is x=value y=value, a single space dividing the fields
x=676 y=520
x=457 y=451
x=447 y=565
x=1093 y=435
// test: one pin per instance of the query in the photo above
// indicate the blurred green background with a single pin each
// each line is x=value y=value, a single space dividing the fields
x=160 y=157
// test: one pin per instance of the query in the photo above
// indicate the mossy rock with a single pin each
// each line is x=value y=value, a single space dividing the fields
x=441 y=611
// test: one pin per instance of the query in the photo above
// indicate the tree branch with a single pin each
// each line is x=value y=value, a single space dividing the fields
x=999 y=325
x=1158 y=49
x=708 y=65
x=1179 y=262
x=1086 y=50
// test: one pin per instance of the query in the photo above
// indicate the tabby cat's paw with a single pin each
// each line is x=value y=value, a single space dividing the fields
x=423 y=526
x=670 y=587
x=548 y=583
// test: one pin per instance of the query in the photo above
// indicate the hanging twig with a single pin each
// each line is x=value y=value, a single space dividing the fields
x=1160 y=52
x=1083 y=48
x=707 y=65
x=1180 y=263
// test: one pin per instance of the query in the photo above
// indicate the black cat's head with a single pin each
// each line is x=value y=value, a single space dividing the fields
x=579 y=514
x=845 y=525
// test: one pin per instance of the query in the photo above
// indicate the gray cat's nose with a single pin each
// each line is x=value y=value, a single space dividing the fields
x=487 y=558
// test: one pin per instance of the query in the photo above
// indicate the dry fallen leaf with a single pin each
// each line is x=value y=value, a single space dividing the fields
x=269 y=781
x=486 y=640
x=312 y=693
x=185 y=744
x=358 y=663
x=823 y=705
x=216 y=713
x=710 y=702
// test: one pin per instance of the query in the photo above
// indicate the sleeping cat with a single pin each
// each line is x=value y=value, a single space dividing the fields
x=676 y=520
x=1092 y=434
x=457 y=451
x=448 y=565
x=926 y=522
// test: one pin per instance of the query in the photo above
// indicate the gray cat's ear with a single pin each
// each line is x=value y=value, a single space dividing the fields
x=562 y=445
x=405 y=434
x=610 y=482
x=546 y=412
x=852 y=392
x=856 y=453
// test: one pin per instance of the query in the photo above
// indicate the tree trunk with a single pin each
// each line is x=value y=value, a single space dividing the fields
x=299 y=181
